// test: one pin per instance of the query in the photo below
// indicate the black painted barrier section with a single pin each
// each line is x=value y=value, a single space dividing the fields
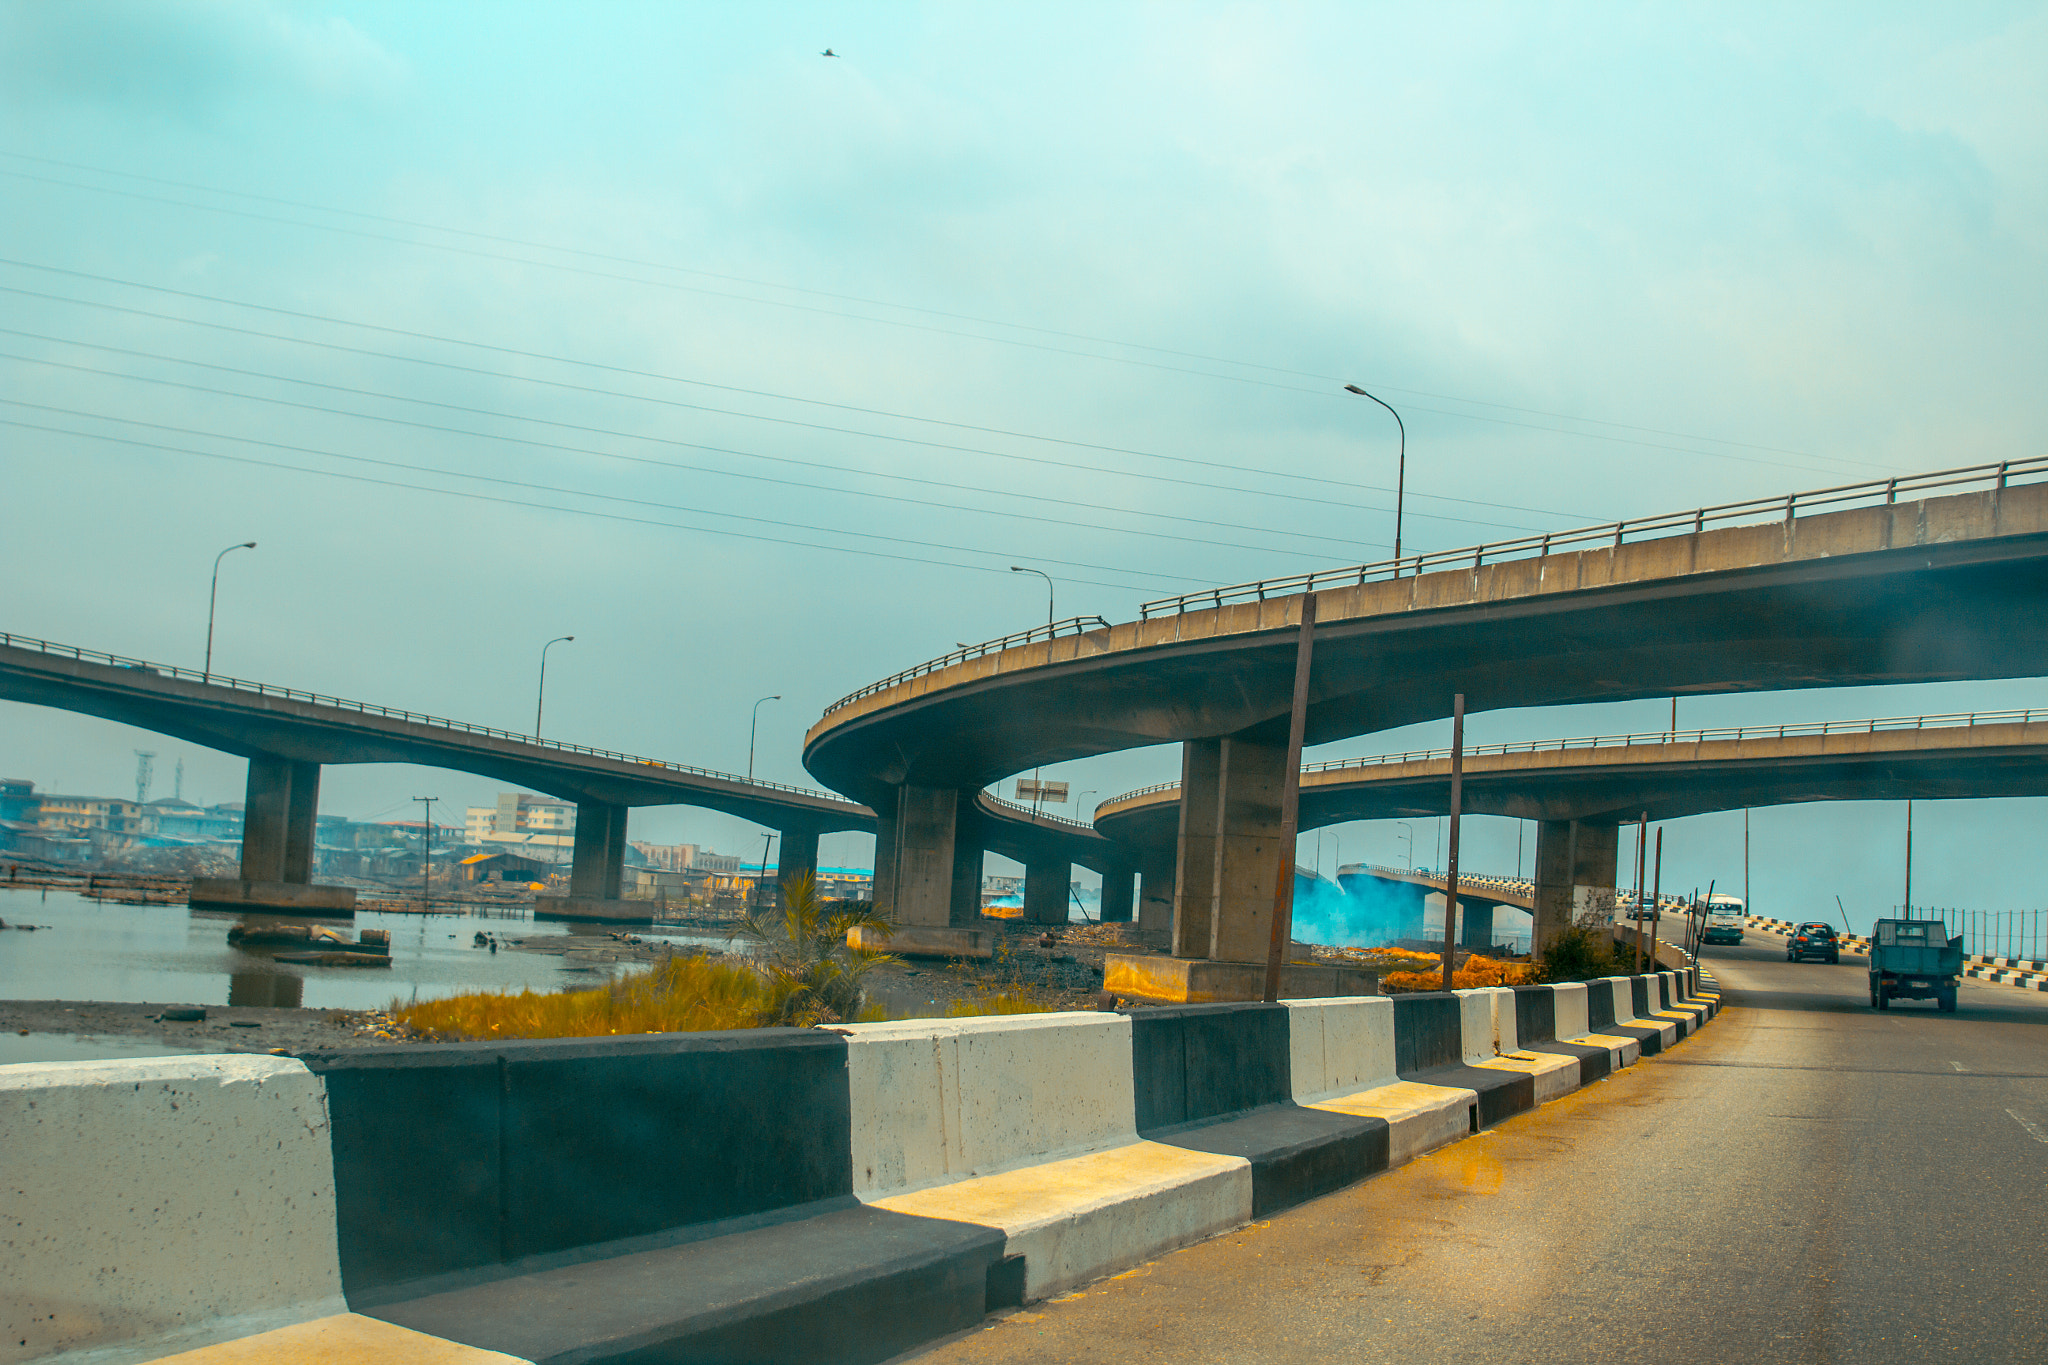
x=1195 y=1062
x=1595 y=1063
x=1649 y=1040
x=464 y=1156
x=1501 y=1094
x=1535 y=1014
x=1427 y=1032
x=1639 y=993
x=1295 y=1153
x=1599 y=1005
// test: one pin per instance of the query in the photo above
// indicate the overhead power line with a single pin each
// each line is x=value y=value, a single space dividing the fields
x=1347 y=541
x=526 y=485
x=757 y=417
x=1325 y=379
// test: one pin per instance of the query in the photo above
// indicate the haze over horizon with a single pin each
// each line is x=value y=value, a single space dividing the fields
x=756 y=370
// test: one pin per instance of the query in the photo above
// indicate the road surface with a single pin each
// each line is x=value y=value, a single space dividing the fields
x=1805 y=1180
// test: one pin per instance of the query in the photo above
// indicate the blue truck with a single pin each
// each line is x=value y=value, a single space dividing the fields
x=1914 y=959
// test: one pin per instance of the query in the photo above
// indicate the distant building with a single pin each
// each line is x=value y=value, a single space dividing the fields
x=82 y=814
x=523 y=818
x=19 y=803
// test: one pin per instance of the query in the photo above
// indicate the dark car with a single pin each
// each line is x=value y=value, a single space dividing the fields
x=1813 y=940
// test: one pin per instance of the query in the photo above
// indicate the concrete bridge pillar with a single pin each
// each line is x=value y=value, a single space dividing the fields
x=1475 y=925
x=796 y=857
x=598 y=858
x=1229 y=849
x=1155 y=896
x=935 y=873
x=1574 y=874
x=1048 y=891
x=1116 y=895
x=280 y=811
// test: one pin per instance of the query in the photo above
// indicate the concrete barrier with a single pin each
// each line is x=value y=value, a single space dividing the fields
x=816 y=1195
x=162 y=1203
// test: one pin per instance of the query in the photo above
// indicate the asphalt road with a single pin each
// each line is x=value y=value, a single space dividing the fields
x=1804 y=1180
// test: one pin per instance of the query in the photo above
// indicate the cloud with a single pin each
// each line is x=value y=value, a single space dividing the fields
x=190 y=60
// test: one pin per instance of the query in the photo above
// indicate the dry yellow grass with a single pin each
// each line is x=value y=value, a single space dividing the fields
x=682 y=995
x=1008 y=1000
x=1477 y=971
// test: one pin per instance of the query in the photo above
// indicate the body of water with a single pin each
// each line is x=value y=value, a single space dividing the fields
x=172 y=954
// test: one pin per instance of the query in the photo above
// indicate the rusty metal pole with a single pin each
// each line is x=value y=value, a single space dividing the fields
x=1642 y=847
x=1290 y=803
x=1656 y=885
x=1451 y=865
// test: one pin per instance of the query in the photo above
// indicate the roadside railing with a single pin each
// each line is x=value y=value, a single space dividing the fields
x=1613 y=533
x=1022 y=809
x=1959 y=720
x=1073 y=625
x=1429 y=874
x=94 y=656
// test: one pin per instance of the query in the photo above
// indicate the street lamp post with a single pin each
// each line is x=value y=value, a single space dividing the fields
x=542 y=694
x=1038 y=795
x=753 y=728
x=1410 y=837
x=212 y=594
x=1400 y=470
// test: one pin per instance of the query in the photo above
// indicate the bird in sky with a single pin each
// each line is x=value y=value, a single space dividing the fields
x=828 y=52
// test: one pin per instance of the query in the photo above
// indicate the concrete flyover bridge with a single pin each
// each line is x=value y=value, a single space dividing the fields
x=1580 y=790
x=288 y=735
x=1935 y=577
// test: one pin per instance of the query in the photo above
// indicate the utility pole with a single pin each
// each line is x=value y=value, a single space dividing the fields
x=1451 y=871
x=1642 y=849
x=1037 y=780
x=426 y=851
x=1656 y=894
x=1745 y=865
x=1908 y=911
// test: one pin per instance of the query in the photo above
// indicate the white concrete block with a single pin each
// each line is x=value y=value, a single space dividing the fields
x=1624 y=997
x=167 y=1200
x=937 y=1100
x=1569 y=1005
x=1085 y=1216
x=1554 y=1073
x=1340 y=1046
x=1420 y=1118
x=1486 y=1022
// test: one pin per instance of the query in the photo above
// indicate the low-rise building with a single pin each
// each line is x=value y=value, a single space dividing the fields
x=523 y=818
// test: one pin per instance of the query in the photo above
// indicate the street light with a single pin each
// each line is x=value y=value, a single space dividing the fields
x=212 y=593
x=1401 y=471
x=1038 y=797
x=541 y=695
x=1410 y=836
x=752 y=729
x=1092 y=791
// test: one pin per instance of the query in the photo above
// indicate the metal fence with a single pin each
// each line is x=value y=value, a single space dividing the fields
x=1951 y=720
x=1022 y=809
x=2021 y=935
x=1073 y=625
x=1613 y=533
x=94 y=656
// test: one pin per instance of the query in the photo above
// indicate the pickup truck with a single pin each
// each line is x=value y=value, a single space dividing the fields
x=1914 y=959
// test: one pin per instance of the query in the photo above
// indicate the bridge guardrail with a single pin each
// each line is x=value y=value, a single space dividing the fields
x=1073 y=625
x=1022 y=809
x=1960 y=720
x=95 y=656
x=1611 y=533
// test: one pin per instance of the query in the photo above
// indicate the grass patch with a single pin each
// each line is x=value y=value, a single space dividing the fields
x=682 y=995
x=1427 y=973
x=1015 y=999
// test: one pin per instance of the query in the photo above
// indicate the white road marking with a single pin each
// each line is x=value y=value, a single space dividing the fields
x=2034 y=1130
x=1959 y=1066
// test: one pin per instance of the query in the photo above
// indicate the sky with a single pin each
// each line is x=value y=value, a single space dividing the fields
x=755 y=370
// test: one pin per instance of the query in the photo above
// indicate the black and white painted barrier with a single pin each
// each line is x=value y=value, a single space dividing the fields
x=779 y=1194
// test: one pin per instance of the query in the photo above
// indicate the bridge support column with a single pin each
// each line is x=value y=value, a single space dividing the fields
x=1116 y=895
x=1229 y=848
x=280 y=811
x=597 y=862
x=1574 y=874
x=1475 y=925
x=927 y=877
x=1048 y=891
x=797 y=857
x=1155 y=896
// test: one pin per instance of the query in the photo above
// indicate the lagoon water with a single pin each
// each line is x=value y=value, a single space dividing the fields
x=171 y=954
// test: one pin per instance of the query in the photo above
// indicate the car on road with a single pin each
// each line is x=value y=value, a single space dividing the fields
x=1813 y=940
x=1726 y=916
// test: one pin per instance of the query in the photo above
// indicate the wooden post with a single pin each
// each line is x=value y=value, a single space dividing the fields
x=1642 y=847
x=1451 y=864
x=1290 y=802
x=1656 y=883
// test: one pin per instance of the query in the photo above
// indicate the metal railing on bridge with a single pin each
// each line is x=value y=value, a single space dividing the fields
x=94 y=656
x=1612 y=533
x=1073 y=625
x=1959 y=720
x=1022 y=809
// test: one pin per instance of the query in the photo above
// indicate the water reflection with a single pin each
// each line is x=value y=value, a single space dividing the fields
x=266 y=988
x=170 y=954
